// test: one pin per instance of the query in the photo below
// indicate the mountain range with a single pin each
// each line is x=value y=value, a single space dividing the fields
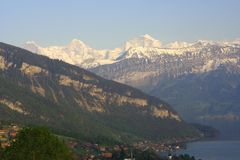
x=38 y=90
x=80 y=54
x=200 y=80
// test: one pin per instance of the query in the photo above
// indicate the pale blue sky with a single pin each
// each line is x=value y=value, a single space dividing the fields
x=108 y=23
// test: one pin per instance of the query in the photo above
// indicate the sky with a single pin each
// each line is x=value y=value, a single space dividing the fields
x=109 y=23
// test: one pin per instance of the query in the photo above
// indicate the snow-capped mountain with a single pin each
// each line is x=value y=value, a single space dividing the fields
x=145 y=46
x=76 y=52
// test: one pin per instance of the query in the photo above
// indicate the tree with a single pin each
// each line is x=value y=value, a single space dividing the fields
x=37 y=143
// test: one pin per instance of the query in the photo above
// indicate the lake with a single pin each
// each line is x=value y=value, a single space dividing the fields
x=213 y=150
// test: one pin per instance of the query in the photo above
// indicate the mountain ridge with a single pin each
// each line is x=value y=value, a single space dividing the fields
x=46 y=91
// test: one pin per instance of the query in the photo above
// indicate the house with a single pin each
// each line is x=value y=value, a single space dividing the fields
x=12 y=134
x=117 y=148
x=5 y=144
x=107 y=155
x=102 y=148
x=15 y=128
x=3 y=131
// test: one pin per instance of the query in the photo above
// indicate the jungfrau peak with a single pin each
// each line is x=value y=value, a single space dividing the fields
x=143 y=41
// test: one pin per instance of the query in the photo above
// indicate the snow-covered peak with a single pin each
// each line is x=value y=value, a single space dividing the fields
x=76 y=44
x=147 y=36
x=201 y=43
x=178 y=45
x=204 y=43
x=237 y=41
x=76 y=52
x=143 y=41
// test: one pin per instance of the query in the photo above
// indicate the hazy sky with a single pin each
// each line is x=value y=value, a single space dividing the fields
x=108 y=23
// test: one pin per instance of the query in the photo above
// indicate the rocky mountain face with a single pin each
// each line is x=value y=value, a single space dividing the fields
x=38 y=90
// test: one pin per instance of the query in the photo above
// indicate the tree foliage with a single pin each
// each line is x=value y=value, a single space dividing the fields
x=37 y=144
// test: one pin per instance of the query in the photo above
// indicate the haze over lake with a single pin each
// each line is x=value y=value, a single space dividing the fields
x=213 y=150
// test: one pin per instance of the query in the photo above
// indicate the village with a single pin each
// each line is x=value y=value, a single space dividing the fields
x=94 y=151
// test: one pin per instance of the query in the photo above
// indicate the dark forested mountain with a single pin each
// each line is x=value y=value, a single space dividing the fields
x=37 y=90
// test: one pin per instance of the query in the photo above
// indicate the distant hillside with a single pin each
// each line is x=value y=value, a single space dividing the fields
x=37 y=90
x=214 y=95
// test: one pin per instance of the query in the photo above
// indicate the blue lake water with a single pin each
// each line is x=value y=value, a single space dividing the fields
x=213 y=150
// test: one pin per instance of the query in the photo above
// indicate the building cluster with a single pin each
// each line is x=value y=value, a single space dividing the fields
x=89 y=151
x=159 y=147
x=8 y=133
